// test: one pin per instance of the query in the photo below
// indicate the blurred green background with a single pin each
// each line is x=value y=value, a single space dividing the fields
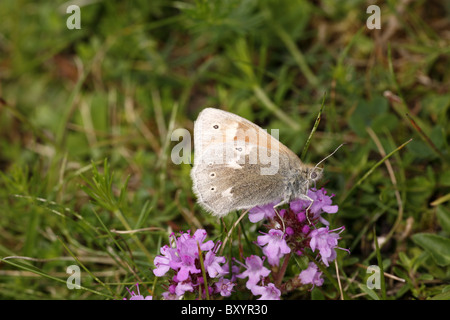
x=136 y=70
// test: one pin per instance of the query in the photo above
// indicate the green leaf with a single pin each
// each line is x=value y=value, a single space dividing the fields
x=369 y=292
x=383 y=121
x=367 y=113
x=437 y=246
x=444 y=178
x=443 y=216
x=444 y=295
x=316 y=294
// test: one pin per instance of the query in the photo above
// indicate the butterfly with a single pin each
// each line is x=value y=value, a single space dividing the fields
x=238 y=165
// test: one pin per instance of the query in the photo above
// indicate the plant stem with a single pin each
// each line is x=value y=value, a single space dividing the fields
x=282 y=271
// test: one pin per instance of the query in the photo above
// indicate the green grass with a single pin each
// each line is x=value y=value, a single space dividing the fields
x=135 y=71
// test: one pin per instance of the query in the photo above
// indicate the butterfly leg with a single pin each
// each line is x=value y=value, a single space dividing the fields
x=307 y=209
x=276 y=211
x=306 y=198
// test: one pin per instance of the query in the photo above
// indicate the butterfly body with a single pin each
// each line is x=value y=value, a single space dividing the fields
x=238 y=165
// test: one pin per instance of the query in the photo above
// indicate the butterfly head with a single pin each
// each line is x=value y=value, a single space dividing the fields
x=314 y=174
x=301 y=181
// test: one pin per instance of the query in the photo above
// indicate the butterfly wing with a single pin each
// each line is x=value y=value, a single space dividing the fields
x=217 y=126
x=224 y=183
x=237 y=165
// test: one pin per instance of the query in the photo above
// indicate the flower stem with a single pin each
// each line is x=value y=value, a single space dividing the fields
x=282 y=271
x=202 y=265
x=231 y=230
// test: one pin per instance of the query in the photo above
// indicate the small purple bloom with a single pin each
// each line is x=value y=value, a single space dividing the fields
x=298 y=205
x=326 y=241
x=182 y=287
x=301 y=216
x=224 y=287
x=187 y=244
x=255 y=271
x=138 y=296
x=163 y=263
x=289 y=231
x=258 y=213
x=305 y=229
x=212 y=266
x=311 y=275
x=269 y=292
x=275 y=246
x=321 y=203
x=234 y=270
x=200 y=236
x=170 y=294
x=186 y=267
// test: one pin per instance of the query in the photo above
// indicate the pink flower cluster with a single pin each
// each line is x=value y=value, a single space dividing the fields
x=184 y=260
x=302 y=232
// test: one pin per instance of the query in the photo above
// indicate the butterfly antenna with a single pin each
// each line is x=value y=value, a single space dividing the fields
x=328 y=155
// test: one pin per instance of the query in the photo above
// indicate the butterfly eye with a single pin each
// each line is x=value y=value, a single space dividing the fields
x=313 y=175
x=216 y=126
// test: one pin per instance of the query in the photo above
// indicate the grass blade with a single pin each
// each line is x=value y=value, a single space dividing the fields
x=45 y=275
x=316 y=124
x=368 y=173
